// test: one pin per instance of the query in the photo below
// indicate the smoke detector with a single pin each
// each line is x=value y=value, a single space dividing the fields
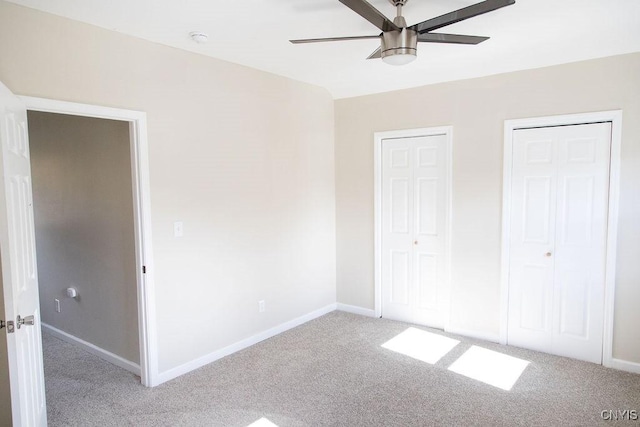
x=199 y=37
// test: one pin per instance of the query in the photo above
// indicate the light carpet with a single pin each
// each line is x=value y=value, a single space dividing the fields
x=334 y=371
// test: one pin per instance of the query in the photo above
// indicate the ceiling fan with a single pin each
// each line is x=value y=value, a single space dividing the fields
x=399 y=42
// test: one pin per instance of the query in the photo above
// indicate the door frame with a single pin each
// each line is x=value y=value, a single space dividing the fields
x=615 y=118
x=139 y=149
x=378 y=137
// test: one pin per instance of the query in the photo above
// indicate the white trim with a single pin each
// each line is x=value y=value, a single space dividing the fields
x=377 y=220
x=93 y=349
x=612 y=238
x=625 y=365
x=356 y=310
x=473 y=334
x=448 y=223
x=378 y=137
x=615 y=117
x=84 y=110
x=142 y=217
x=507 y=164
x=241 y=345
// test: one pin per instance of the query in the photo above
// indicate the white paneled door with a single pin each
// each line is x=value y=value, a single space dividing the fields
x=414 y=229
x=19 y=274
x=558 y=228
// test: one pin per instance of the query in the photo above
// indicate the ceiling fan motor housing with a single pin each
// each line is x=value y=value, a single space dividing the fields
x=404 y=42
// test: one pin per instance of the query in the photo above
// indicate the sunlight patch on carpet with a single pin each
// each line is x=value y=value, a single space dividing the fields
x=490 y=367
x=262 y=422
x=421 y=345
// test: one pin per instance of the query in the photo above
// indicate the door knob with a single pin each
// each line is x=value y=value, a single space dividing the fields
x=547 y=254
x=29 y=320
x=415 y=242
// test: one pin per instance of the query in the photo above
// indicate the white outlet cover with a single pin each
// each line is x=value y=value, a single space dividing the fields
x=178 y=229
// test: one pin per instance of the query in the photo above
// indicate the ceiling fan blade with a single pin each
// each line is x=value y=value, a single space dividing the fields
x=450 y=38
x=460 y=15
x=333 y=39
x=376 y=54
x=371 y=14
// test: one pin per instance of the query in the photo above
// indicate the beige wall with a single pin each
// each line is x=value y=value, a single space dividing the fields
x=83 y=205
x=477 y=109
x=244 y=158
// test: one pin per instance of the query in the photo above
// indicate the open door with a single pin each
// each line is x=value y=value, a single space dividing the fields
x=19 y=272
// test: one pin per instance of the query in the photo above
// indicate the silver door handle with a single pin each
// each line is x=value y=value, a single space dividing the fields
x=29 y=320
x=547 y=254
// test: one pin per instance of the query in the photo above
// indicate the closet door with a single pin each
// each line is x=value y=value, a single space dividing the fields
x=559 y=203
x=398 y=293
x=414 y=215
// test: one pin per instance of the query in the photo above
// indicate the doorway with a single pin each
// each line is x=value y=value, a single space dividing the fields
x=85 y=240
x=17 y=238
x=559 y=225
x=139 y=169
x=412 y=208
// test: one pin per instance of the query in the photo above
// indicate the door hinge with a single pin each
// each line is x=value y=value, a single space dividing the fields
x=9 y=325
x=144 y=269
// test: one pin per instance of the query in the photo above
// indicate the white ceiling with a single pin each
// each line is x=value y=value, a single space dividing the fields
x=529 y=34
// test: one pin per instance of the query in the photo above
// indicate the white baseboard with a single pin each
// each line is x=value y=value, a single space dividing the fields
x=93 y=349
x=241 y=345
x=625 y=365
x=356 y=310
x=474 y=334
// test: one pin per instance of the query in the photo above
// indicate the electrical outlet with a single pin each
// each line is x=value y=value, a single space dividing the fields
x=57 y=305
x=261 y=306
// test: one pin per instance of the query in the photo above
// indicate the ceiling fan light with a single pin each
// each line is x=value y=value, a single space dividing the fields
x=399 y=58
x=399 y=47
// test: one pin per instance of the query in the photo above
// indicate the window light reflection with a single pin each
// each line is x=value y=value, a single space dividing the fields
x=421 y=345
x=490 y=367
x=262 y=422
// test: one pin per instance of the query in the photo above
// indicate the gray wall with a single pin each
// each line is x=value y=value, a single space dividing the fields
x=84 y=226
x=477 y=109
x=5 y=392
